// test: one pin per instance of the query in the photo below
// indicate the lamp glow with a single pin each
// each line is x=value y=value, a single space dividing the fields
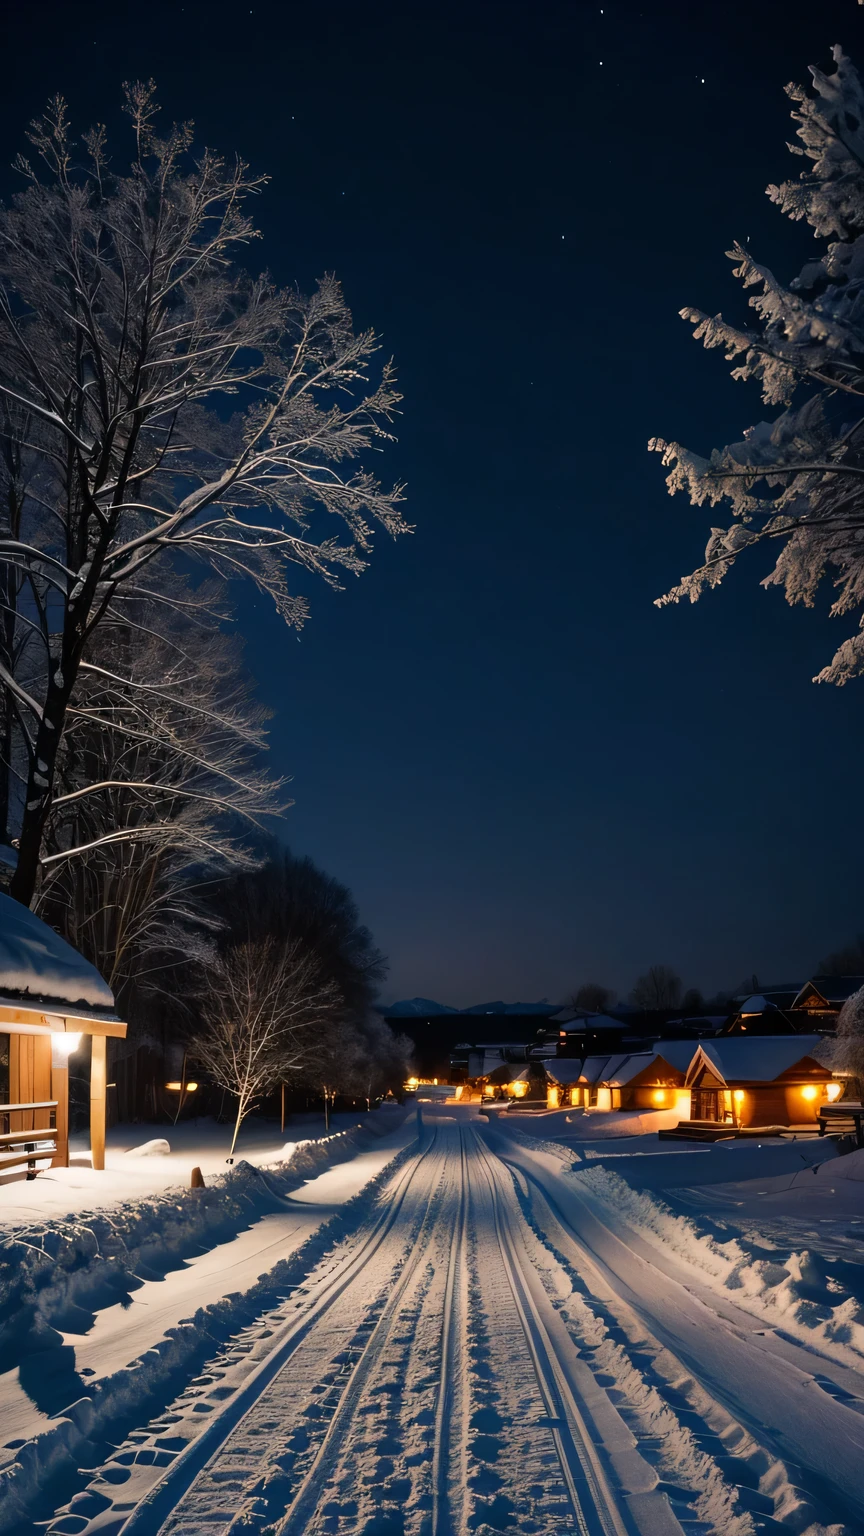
x=809 y=1092
x=178 y=1087
x=833 y=1092
x=738 y=1095
x=659 y=1096
x=63 y=1044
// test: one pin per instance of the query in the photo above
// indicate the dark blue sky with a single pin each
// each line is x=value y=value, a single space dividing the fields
x=528 y=774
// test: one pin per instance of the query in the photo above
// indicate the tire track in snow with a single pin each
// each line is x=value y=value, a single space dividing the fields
x=734 y=1484
x=137 y=1489
x=421 y=1383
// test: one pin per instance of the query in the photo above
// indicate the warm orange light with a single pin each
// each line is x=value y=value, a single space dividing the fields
x=178 y=1087
x=518 y=1089
x=738 y=1095
x=833 y=1092
x=809 y=1092
x=553 y=1099
x=659 y=1096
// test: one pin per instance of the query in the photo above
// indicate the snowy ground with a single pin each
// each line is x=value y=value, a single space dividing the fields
x=127 y=1174
x=500 y=1331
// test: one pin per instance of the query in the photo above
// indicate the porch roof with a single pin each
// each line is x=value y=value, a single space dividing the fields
x=43 y=980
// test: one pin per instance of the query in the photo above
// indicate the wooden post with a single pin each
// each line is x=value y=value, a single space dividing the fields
x=60 y=1092
x=98 y=1084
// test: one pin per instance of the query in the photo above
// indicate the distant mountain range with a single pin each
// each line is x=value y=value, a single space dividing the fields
x=425 y=1007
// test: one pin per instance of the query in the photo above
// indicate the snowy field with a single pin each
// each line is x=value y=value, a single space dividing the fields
x=467 y=1327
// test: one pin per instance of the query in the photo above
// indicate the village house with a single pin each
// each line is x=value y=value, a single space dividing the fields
x=760 y=1081
x=799 y=1010
x=50 y=998
x=649 y=1079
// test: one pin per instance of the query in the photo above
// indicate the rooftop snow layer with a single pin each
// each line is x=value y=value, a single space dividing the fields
x=35 y=962
x=676 y=1053
x=758 y=1058
x=563 y=1070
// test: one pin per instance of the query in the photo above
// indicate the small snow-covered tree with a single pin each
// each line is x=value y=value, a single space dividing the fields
x=797 y=481
x=848 y=1054
x=266 y=1008
x=126 y=329
x=660 y=987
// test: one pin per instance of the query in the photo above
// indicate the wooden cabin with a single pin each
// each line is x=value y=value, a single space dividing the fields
x=760 y=1080
x=562 y=1078
x=652 y=1079
x=50 y=997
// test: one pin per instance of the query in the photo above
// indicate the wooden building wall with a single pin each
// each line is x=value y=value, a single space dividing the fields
x=29 y=1080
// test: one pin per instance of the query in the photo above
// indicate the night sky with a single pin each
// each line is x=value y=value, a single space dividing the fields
x=527 y=773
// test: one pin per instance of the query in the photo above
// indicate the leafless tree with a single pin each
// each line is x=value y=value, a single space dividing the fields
x=124 y=327
x=660 y=987
x=266 y=1010
x=336 y=1063
x=385 y=1061
x=157 y=774
x=848 y=961
x=593 y=996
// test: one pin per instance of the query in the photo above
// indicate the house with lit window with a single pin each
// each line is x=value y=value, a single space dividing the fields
x=820 y=1000
x=51 y=1001
x=649 y=1079
x=763 y=1080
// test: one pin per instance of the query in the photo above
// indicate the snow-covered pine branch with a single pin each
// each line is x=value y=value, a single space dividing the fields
x=797 y=481
x=125 y=326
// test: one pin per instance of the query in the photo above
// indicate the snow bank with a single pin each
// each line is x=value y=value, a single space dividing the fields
x=48 y=1277
x=158 y=1147
x=798 y=1293
x=54 y=1275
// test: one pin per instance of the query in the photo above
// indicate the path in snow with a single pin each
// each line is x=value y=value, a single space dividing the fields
x=463 y=1363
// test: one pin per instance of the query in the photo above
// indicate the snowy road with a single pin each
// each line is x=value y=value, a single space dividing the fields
x=462 y=1363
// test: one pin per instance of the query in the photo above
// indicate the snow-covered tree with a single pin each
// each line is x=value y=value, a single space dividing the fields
x=265 y=1010
x=125 y=329
x=158 y=770
x=797 y=481
x=848 y=1053
x=660 y=987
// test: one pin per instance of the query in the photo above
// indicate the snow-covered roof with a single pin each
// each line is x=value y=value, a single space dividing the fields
x=756 y=1004
x=676 y=1053
x=35 y=963
x=755 y=1058
x=594 y=1068
x=564 y=1070
x=622 y=1069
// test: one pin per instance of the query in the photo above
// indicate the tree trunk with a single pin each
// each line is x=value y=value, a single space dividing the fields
x=40 y=785
x=326 y=1110
x=237 y=1123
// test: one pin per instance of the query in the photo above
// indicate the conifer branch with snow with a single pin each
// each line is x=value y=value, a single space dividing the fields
x=797 y=481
